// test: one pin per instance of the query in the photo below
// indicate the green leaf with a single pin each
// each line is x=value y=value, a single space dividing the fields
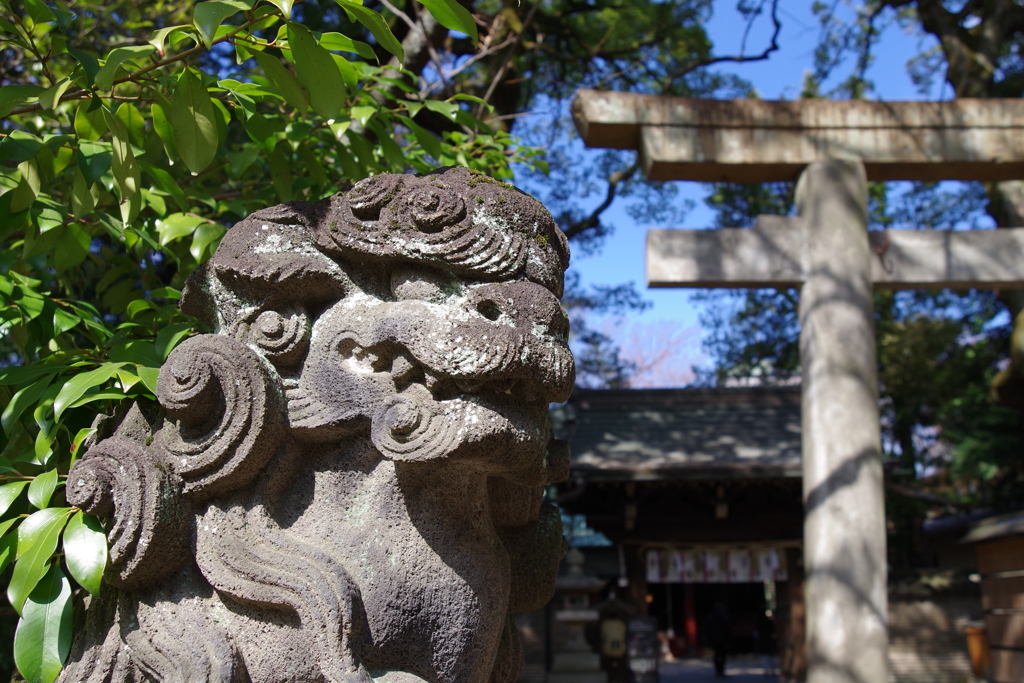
x=240 y=161
x=9 y=179
x=43 y=638
x=63 y=17
x=362 y=114
x=163 y=129
x=123 y=164
x=340 y=43
x=314 y=168
x=136 y=351
x=22 y=400
x=392 y=152
x=89 y=123
x=89 y=63
x=28 y=189
x=80 y=383
x=64 y=320
x=149 y=377
x=452 y=15
x=317 y=72
x=9 y=493
x=8 y=542
x=161 y=36
x=414 y=107
x=117 y=57
x=294 y=92
x=166 y=182
x=37 y=539
x=82 y=203
x=169 y=337
x=13 y=96
x=431 y=145
x=81 y=436
x=74 y=247
x=94 y=159
x=129 y=115
x=463 y=97
x=447 y=109
x=261 y=131
x=104 y=395
x=41 y=489
x=280 y=171
x=378 y=27
x=194 y=120
x=85 y=551
x=207 y=235
x=29 y=373
x=39 y=12
x=208 y=16
x=51 y=98
x=285 y=6
x=20 y=146
x=176 y=226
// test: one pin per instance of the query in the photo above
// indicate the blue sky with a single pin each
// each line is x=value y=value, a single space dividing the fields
x=780 y=77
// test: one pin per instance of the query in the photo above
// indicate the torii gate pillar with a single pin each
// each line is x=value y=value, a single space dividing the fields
x=844 y=523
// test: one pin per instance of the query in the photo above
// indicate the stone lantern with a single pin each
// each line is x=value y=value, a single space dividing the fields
x=574 y=660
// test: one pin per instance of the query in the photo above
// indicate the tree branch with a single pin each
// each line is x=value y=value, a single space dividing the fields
x=508 y=59
x=594 y=219
x=134 y=76
x=773 y=46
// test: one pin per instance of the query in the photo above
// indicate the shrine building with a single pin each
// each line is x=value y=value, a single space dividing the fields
x=695 y=497
x=699 y=491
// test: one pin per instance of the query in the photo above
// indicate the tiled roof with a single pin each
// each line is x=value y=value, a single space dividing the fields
x=683 y=433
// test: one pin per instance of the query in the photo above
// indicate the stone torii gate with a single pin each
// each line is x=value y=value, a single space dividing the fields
x=834 y=148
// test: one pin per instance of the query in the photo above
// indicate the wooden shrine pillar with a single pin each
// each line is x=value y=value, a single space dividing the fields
x=844 y=504
x=690 y=619
x=792 y=621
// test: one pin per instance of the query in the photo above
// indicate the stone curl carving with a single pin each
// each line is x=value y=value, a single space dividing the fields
x=343 y=482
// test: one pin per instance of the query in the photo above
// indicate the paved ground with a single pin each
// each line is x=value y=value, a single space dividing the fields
x=739 y=669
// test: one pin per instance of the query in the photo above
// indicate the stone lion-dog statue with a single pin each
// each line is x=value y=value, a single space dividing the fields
x=343 y=481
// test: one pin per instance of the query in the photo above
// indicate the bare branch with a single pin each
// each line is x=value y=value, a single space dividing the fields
x=594 y=218
x=508 y=59
x=737 y=59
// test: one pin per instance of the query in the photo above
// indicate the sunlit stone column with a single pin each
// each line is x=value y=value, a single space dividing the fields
x=844 y=528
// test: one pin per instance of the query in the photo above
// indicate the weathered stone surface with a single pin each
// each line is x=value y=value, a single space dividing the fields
x=775 y=253
x=343 y=481
x=757 y=141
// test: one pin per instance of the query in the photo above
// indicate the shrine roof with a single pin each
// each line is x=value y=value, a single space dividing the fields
x=652 y=434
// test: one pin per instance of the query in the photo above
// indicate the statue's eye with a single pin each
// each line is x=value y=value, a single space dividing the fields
x=423 y=284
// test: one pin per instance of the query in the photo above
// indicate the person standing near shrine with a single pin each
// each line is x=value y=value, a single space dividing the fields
x=718 y=632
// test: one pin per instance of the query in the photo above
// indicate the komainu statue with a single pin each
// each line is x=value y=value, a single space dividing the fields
x=343 y=482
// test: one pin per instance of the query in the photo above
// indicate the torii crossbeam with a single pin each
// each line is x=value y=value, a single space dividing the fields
x=834 y=148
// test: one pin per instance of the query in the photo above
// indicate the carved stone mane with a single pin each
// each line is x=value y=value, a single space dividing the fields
x=343 y=481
